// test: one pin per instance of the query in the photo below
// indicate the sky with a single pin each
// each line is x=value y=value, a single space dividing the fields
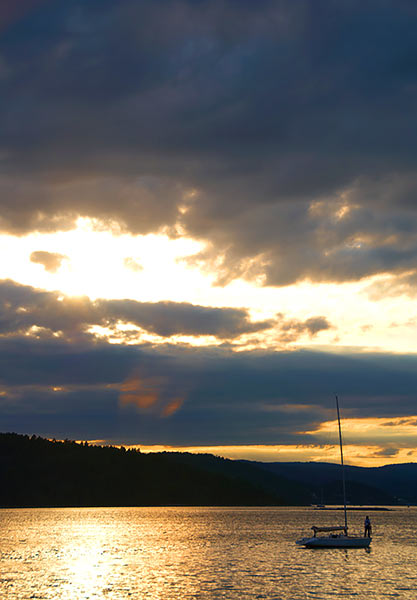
x=208 y=225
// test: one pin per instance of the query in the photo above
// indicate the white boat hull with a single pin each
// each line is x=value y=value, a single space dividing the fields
x=338 y=541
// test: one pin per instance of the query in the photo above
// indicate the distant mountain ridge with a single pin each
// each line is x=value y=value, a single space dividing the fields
x=395 y=484
x=36 y=472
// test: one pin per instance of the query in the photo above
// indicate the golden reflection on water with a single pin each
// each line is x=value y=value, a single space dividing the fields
x=210 y=554
x=88 y=568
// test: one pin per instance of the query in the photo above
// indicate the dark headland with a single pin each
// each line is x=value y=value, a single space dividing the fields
x=36 y=472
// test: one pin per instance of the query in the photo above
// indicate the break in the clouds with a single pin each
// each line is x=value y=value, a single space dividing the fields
x=280 y=132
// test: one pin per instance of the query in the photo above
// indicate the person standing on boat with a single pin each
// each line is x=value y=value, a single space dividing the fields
x=368 y=527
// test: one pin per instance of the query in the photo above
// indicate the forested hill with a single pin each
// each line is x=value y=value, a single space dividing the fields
x=38 y=472
x=364 y=485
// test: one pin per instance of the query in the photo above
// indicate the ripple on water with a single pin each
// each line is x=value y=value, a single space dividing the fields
x=204 y=553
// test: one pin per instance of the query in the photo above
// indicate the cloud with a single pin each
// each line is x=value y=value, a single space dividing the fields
x=172 y=318
x=132 y=264
x=23 y=308
x=150 y=394
x=172 y=407
x=396 y=285
x=280 y=133
x=11 y=11
x=208 y=396
x=292 y=329
x=387 y=452
x=51 y=261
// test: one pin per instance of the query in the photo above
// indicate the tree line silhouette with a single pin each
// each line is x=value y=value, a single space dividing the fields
x=35 y=472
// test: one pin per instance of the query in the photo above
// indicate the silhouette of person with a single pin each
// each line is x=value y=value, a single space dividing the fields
x=368 y=527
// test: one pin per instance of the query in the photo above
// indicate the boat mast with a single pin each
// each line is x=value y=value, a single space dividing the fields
x=343 y=466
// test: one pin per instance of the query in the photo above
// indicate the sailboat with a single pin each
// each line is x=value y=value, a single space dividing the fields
x=335 y=537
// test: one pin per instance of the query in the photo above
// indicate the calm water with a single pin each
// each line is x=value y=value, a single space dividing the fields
x=179 y=553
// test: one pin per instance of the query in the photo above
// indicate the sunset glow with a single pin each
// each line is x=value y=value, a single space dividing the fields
x=208 y=227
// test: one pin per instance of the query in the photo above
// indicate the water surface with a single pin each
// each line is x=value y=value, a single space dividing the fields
x=207 y=553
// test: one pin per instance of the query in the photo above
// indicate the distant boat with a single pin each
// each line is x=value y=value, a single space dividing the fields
x=336 y=537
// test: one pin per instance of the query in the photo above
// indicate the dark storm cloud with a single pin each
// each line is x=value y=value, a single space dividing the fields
x=285 y=128
x=199 y=396
x=12 y=11
x=22 y=308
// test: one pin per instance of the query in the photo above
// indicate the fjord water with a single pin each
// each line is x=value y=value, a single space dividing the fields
x=207 y=553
